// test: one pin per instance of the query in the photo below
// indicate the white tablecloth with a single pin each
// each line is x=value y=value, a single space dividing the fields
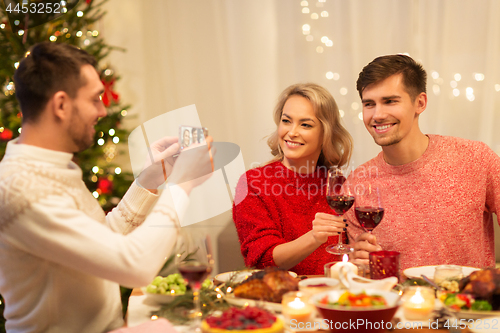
x=139 y=310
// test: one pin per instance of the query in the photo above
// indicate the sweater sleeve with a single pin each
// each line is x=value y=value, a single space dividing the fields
x=54 y=229
x=257 y=231
x=492 y=180
x=131 y=210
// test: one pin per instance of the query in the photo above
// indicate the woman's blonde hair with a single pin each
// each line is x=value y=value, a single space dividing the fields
x=337 y=142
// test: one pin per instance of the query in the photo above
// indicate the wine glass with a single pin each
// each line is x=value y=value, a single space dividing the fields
x=194 y=261
x=369 y=209
x=340 y=199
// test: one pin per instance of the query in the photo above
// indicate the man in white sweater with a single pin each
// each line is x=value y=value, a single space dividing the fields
x=61 y=258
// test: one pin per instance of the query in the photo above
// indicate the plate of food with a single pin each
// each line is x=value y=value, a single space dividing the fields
x=240 y=276
x=478 y=296
x=163 y=290
x=417 y=272
x=263 y=288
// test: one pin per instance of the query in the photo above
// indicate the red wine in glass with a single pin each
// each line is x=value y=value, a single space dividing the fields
x=194 y=261
x=340 y=199
x=194 y=272
x=369 y=217
x=340 y=203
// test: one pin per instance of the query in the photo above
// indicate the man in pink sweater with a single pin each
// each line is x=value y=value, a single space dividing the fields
x=439 y=192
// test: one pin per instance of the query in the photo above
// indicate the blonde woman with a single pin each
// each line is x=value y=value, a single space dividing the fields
x=280 y=210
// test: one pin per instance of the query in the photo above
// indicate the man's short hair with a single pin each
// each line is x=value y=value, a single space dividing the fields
x=48 y=68
x=414 y=75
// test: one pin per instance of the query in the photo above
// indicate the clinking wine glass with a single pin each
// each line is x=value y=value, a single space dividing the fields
x=369 y=209
x=340 y=199
x=194 y=260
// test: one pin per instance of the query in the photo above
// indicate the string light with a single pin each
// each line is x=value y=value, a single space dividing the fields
x=52 y=38
x=100 y=142
x=342 y=113
x=343 y=91
x=79 y=13
x=497 y=87
x=336 y=76
x=95 y=194
x=469 y=93
x=436 y=89
x=16 y=22
x=94 y=178
x=20 y=32
x=457 y=77
x=95 y=33
x=354 y=106
x=305 y=10
x=2 y=26
x=118 y=171
x=304 y=3
x=79 y=34
x=95 y=169
x=314 y=16
x=435 y=75
x=124 y=113
x=329 y=75
x=453 y=84
x=479 y=76
x=319 y=49
x=154 y=317
x=309 y=38
x=324 y=13
x=360 y=116
x=111 y=132
x=20 y=130
x=116 y=139
x=329 y=43
x=456 y=92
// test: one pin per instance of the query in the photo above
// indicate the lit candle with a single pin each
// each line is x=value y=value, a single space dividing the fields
x=296 y=307
x=335 y=269
x=418 y=303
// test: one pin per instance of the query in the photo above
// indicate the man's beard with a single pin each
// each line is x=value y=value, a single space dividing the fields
x=78 y=132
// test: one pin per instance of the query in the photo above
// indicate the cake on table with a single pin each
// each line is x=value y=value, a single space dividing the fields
x=247 y=320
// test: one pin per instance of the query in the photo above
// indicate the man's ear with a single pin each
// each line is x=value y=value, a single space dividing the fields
x=61 y=105
x=421 y=103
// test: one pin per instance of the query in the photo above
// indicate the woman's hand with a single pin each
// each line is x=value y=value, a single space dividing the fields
x=327 y=225
x=365 y=243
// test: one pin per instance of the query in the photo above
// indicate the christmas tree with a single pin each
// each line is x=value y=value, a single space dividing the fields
x=75 y=25
x=74 y=22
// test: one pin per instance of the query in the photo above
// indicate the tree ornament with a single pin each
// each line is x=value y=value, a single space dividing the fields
x=6 y=134
x=105 y=185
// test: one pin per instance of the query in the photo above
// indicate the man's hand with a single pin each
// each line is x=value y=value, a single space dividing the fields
x=154 y=171
x=193 y=166
x=327 y=225
x=364 y=244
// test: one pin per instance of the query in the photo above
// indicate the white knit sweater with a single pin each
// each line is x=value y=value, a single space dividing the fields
x=61 y=258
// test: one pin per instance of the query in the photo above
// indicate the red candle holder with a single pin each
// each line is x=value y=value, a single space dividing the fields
x=384 y=264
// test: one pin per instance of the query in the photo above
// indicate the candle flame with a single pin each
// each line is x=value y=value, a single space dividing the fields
x=296 y=304
x=345 y=258
x=417 y=298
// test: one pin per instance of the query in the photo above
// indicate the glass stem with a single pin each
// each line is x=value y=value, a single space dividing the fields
x=197 y=307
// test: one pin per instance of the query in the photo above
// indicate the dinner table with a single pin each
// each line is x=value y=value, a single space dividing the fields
x=140 y=310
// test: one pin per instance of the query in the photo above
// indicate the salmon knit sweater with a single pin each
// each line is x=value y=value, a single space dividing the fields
x=438 y=209
x=275 y=205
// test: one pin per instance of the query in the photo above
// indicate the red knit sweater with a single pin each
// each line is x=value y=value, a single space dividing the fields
x=438 y=209
x=274 y=205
